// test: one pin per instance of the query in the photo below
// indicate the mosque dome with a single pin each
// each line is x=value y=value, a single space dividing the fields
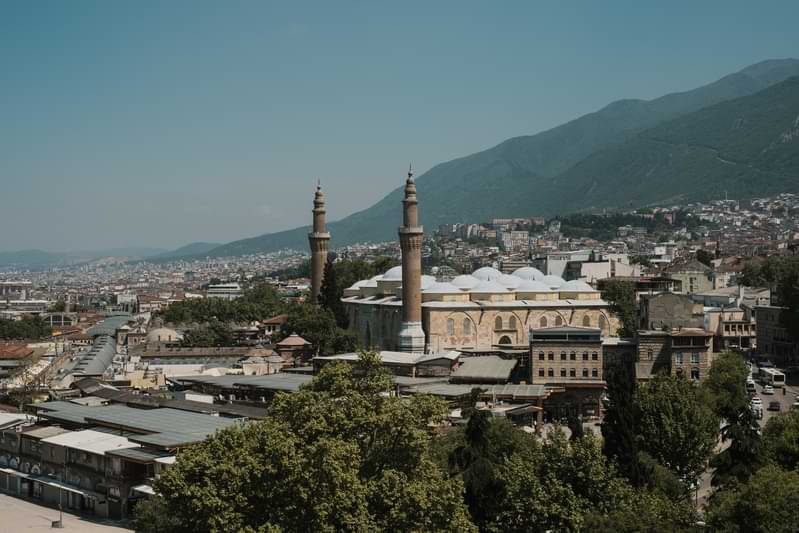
x=393 y=274
x=442 y=288
x=428 y=281
x=511 y=282
x=465 y=281
x=529 y=285
x=163 y=335
x=529 y=273
x=488 y=287
x=487 y=274
x=576 y=285
x=554 y=282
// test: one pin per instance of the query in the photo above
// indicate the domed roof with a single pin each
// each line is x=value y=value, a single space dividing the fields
x=163 y=335
x=553 y=281
x=372 y=282
x=393 y=274
x=487 y=274
x=465 y=281
x=510 y=282
x=576 y=285
x=531 y=285
x=528 y=273
x=488 y=287
x=358 y=284
x=442 y=288
x=427 y=281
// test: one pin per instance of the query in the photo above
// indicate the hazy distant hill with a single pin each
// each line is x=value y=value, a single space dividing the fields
x=744 y=147
x=532 y=175
x=29 y=258
x=195 y=248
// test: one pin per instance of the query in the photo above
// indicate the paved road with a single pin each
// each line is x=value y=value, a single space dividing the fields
x=18 y=515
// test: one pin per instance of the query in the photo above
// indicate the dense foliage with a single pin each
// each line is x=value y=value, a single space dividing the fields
x=337 y=456
x=30 y=328
x=621 y=297
x=257 y=303
x=782 y=274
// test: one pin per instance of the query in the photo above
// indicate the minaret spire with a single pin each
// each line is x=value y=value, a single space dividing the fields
x=411 y=336
x=318 y=239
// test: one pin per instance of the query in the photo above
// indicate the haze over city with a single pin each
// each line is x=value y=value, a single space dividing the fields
x=161 y=124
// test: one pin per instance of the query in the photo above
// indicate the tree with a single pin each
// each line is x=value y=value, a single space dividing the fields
x=619 y=431
x=318 y=326
x=726 y=385
x=705 y=257
x=767 y=503
x=339 y=455
x=676 y=425
x=644 y=511
x=621 y=297
x=781 y=440
x=330 y=295
x=788 y=295
x=743 y=456
x=30 y=328
x=214 y=333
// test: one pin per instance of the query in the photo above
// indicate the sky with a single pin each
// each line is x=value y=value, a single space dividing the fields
x=162 y=123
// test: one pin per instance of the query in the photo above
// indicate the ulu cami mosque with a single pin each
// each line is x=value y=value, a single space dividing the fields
x=404 y=310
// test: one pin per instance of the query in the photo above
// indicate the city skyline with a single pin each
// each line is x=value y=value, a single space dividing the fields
x=162 y=125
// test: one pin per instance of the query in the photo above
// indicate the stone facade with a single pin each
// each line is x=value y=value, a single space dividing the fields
x=318 y=240
x=773 y=340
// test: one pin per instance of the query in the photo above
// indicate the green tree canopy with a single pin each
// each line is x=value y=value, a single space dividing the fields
x=726 y=385
x=340 y=455
x=781 y=440
x=766 y=504
x=621 y=297
x=676 y=425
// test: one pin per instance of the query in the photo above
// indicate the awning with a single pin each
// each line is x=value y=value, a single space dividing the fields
x=144 y=489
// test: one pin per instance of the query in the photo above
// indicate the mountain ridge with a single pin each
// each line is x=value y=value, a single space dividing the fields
x=448 y=191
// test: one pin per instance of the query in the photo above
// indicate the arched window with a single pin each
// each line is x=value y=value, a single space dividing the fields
x=551 y=373
x=467 y=326
x=505 y=340
x=450 y=327
x=563 y=372
x=572 y=373
x=694 y=373
x=587 y=321
x=498 y=323
x=558 y=321
x=541 y=356
x=594 y=373
x=512 y=322
x=573 y=356
x=585 y=372
x=540 y=372
x=543 y=322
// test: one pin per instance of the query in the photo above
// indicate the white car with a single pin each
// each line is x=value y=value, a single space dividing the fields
x=756 y=401
x=768 y=389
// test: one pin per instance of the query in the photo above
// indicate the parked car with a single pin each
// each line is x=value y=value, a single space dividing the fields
x=757 y=401
x=774 y=406
x=757 y=411
x=768 y=389
x=795 y=405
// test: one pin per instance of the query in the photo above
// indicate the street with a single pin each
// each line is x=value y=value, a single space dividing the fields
x=21 y=515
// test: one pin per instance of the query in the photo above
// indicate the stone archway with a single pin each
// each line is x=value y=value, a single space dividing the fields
x=505 y=340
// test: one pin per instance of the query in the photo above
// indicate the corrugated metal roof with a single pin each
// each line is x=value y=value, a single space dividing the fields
x=488 y=368
x=90 y=441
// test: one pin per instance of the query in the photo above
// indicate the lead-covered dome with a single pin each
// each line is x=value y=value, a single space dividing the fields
x=529 y=285
x=553 y=282
x=465 y=281
x=487 y=274
x=511 y=282
x=393 y=274
x=576 y=285
x=529 y=273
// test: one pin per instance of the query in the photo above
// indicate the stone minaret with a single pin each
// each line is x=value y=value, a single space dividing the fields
x=318 y=239
x=411 y=336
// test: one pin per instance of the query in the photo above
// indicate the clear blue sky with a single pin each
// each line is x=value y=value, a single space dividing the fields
x=162 y=123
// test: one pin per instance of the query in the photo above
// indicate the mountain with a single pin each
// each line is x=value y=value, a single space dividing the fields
x=744 y=147
x=30 y=258
x=193 y=249
x=39 y=258
x=517 y=177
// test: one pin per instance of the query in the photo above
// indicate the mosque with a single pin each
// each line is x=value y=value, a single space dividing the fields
x=404 y=310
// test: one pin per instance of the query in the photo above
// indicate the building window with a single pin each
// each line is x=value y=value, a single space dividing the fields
x=573 y=356
x=551 y=373
x=543 y=322
x=594 y=356
x=594 y=373
x=551 y=356
x=694 y=358
x=540 y=356
x=562 y=356
x=649 y=354
x=585 y=372
x=678 y=358
x=585 y=356
x=512 y=322
x=467 y=326
x=694 y=373
x=558 y=321
x=450 y=327
x=541 y=372
x=498 y=323
x=563 y=372
x=587 y=321
x=572 y=373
